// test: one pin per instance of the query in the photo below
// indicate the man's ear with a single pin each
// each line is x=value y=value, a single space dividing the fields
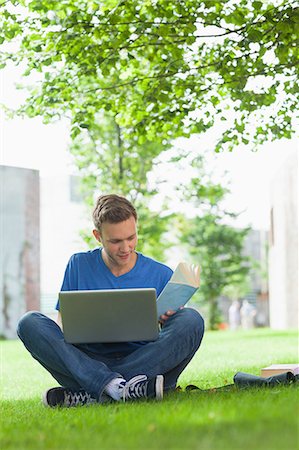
x=97 y=235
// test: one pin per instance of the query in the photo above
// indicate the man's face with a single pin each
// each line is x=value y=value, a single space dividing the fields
x=119 y=241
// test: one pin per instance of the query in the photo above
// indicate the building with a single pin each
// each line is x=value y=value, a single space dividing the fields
x=19 y=246
x=283 y=247
x=41 y=219
x=63 y=216
x=255 y=247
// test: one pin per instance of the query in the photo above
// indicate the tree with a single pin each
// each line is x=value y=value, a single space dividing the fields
x=215 y=245
x=112 y=161
x=162 y=68
x=109 y=162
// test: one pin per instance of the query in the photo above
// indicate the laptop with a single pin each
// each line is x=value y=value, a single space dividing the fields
x=102 y=316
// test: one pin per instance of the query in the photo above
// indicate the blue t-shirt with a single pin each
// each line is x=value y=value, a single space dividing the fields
x=87 y=271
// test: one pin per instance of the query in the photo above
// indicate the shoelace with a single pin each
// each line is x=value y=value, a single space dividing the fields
x=135 y=388
x=77 y=398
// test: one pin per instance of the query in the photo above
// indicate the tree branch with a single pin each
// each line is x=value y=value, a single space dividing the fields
x=160 y=76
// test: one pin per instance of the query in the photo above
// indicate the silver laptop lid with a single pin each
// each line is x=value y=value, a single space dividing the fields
x=116 y=315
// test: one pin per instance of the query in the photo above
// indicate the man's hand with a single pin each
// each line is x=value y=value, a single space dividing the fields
x=164 y=317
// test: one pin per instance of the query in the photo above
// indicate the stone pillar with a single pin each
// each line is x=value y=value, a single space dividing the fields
x=19 y=246
x=283 y=251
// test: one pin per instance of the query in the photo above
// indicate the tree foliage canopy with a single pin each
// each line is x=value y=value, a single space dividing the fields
x=162 y=68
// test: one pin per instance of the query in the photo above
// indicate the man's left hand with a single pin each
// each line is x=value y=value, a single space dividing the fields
x=164 y=317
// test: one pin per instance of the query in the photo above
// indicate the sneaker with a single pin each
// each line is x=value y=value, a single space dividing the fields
x=141 y=387
x=60 y=396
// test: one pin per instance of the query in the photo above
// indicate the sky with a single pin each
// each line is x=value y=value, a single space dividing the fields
x=30 y=144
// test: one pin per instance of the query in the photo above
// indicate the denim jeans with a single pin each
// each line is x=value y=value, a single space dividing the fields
x=76 y=368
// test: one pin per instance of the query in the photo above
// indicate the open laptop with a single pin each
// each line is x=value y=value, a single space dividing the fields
x=116 y=315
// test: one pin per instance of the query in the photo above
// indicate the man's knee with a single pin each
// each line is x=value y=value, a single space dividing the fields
x=28 y=323
x=194 y=320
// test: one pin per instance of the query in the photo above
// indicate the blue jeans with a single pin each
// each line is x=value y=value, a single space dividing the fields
x=76 y=368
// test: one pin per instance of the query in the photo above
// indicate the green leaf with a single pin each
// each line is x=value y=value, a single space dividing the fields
x=257 y=5
x=151 y=65
x=255 y=35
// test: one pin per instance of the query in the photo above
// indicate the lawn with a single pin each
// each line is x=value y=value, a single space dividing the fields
x=265 y=419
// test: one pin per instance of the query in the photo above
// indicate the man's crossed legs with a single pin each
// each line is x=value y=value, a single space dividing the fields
x=93 y=377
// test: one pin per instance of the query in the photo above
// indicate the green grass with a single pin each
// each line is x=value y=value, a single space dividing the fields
x=265 y=419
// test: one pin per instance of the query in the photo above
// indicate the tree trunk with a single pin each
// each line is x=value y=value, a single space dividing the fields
x=120 y=153
x=213 y=314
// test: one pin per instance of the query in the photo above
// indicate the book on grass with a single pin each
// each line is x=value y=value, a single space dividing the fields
x=276 y=369
x=182 y=285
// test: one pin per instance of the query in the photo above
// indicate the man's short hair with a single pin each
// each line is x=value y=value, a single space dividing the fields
x=112 y=208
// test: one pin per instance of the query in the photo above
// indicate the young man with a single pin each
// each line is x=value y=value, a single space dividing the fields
x=90 y=373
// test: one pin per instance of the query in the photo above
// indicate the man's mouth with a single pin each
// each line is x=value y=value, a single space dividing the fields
x=124 y=256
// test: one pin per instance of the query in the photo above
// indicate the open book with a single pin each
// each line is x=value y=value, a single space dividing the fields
x=179 y=289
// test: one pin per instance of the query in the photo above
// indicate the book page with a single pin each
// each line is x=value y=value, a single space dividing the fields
x=186 y=274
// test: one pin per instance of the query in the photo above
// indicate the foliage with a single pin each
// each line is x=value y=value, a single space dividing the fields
x=114 y=162
x=217 y=246
x=162 y=68
x=153 y=227
x=238 y=291
x=109 y=162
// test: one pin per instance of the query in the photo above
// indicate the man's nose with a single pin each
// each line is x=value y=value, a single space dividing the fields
x=125 y=246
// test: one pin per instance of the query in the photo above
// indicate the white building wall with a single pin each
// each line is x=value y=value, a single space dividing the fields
x=62 y=218
x=283 y=251
x=19 y=246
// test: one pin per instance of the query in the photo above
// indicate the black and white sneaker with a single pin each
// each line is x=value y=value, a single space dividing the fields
x=140 y=387
x=60 y=396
